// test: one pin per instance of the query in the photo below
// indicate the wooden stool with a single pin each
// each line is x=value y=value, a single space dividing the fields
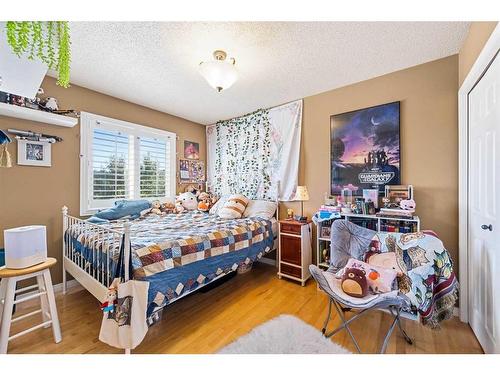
x=8 y=292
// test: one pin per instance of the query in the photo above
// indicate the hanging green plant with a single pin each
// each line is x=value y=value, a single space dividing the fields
x=47 y=41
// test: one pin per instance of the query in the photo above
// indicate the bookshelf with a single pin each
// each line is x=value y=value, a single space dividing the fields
x=374 y=222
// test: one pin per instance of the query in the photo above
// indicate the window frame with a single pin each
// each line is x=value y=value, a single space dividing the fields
x=90 y=121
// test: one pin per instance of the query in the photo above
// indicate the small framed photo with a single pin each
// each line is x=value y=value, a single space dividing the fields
x=325 y=232
x=397 y=193
x=33 y=153
x=191 y=150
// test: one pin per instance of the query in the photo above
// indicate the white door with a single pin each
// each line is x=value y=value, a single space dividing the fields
x=484 y=201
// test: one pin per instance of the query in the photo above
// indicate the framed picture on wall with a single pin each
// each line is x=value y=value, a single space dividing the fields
x=33 y=153
x=365 y=149
x=191 y=150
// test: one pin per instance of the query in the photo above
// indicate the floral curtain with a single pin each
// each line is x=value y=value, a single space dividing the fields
x=257 y=154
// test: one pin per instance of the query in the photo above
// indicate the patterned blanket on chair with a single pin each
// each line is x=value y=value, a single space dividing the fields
x=427 y=277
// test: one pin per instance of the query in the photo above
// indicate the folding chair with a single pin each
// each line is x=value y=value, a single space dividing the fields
x=392 y=302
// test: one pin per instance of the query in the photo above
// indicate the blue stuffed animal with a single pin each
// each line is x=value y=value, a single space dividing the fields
x=122 y=208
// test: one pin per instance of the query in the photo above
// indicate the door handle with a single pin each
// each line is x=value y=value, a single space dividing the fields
x=487 y=227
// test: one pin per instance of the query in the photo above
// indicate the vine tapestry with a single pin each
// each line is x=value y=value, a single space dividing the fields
x=254 y=154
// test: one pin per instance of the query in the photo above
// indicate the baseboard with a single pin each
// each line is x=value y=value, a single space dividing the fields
x=271 y=262
x=70 y=284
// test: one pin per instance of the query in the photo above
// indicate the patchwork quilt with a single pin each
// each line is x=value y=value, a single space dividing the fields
x=427 y=277
x=194 y=247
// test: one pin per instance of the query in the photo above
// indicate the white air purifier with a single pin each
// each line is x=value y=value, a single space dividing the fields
x=25 y=246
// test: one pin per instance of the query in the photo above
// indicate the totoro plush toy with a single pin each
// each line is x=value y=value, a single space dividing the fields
x=354 y=282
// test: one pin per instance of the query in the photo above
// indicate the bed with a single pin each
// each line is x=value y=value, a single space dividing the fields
x=178 y=253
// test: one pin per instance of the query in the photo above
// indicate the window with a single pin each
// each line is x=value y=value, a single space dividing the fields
x=121 y=160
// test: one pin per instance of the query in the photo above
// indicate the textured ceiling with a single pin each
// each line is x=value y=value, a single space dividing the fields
x=156 y=64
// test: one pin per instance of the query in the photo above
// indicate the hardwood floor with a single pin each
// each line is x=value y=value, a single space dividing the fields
x=206 y=322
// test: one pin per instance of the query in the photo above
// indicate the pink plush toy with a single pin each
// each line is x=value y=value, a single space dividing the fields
x=408 y=204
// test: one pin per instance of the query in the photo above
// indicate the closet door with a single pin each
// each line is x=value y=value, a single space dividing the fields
x=484 y=201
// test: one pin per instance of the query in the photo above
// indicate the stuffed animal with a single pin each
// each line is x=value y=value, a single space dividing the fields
x=50 y=104
x=188 y=201
x=354 y=282
x=156 y=207
x=122 y=208
x=408 y=204
x=167 y=208
x=385 y=260
x=179 y=208
x=192 y=189
x=206 y=201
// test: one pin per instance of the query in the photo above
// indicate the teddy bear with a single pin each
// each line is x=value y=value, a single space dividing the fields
x=167 y=208
x=156 y=207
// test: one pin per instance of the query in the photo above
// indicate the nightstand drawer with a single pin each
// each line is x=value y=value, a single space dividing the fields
x=291 y=270
x=290 y=248
x=290 y=228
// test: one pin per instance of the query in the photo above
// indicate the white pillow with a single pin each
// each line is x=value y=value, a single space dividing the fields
x=260 y=208
x=214 y=210
x=234 y=207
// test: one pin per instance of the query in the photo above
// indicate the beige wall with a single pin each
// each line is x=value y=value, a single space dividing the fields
x=35 y=195
x=479 y=33
x=429 y=148
x=429 y=141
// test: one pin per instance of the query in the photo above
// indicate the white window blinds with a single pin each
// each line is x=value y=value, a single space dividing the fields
x=110 y=165
x=153 y=169
x=120 y=160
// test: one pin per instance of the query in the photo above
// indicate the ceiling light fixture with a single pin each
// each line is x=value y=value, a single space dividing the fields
x=219 y=73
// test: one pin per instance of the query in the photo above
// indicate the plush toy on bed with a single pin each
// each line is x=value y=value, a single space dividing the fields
x=206 y=201
x=123 y=208
x=167 y=208
x=186 y=201
x=156 y=207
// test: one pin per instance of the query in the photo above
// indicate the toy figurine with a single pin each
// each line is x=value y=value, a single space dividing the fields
x=289 y=214
x=326 y=256
x=110 y=303
x=386 y=201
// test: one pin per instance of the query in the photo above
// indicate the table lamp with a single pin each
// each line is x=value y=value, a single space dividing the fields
x=301 y=194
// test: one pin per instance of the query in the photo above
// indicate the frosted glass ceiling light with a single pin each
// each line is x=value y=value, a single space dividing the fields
x=219 y=73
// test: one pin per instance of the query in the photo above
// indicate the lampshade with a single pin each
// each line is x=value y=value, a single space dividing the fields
x=301 y=194
x=219 y=73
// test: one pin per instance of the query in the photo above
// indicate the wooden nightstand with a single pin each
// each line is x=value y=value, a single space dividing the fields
x=295 y=254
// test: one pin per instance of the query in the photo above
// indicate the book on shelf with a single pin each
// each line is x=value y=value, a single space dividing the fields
x=391 y=212
x=329 y=208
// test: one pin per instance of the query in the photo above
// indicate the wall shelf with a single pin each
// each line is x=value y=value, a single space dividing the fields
x=24 y=113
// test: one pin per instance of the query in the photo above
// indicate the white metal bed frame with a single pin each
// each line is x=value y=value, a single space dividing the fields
x=95 y=275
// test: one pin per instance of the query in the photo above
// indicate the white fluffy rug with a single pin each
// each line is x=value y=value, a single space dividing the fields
x=285 y=334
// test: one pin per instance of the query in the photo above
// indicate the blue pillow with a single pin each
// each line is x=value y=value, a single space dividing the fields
x=121 y=209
